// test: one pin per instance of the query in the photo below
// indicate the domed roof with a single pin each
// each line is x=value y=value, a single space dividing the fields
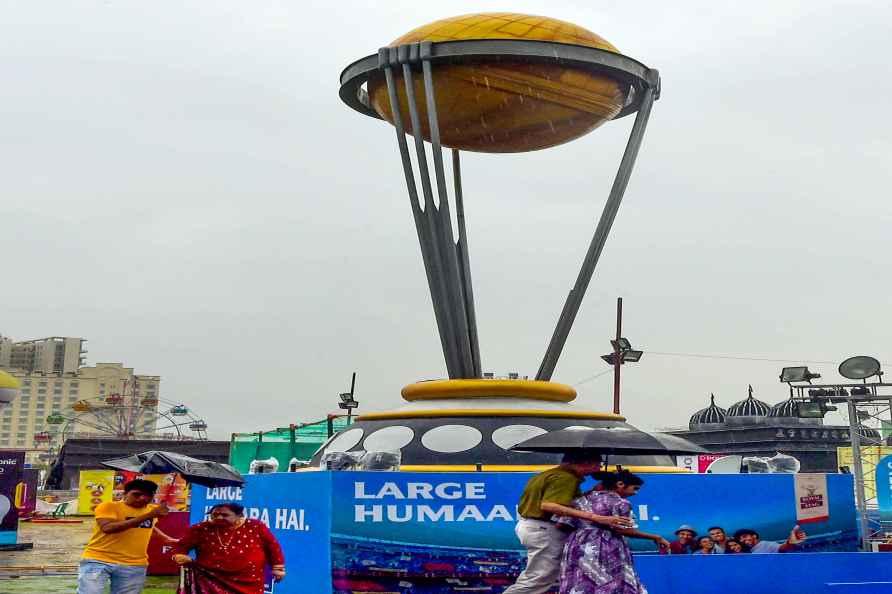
x=787 y=408
x=711 y=415
x=868 y=432
x=749 y=407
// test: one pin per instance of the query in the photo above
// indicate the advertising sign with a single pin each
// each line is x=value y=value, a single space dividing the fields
x=96 y=486
x=297 y=508
x=870 y=457
x=173 y=490
x=174 y=525
x=812 y=503
x=697 y=462
x=26 y=492
x=444 y=532
x=99 y=486
x=11 y=465
x=884 y=487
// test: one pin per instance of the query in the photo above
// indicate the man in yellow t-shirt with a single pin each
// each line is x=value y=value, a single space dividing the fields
x=116 y=551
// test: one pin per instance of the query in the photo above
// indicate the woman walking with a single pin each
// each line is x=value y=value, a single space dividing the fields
x=231 y=553
x=597 y=560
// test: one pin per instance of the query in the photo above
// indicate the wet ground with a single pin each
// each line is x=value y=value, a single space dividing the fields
x=51 y=566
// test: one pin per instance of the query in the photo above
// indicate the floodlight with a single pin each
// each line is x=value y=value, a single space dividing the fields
x=632 y=356
x=797 y=374
x=609 y=359
x=812 y=410
x=622 y=344
x=346 y=397
x=861 y=367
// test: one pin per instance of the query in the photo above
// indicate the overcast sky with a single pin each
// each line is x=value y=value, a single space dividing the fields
x=182 y=186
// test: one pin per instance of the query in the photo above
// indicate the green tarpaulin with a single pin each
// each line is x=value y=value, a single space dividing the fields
x=283 y=443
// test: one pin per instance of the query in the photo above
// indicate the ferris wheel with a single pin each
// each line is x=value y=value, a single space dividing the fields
x=123 y=417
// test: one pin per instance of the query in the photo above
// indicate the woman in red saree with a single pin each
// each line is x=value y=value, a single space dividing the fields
x=231 y=553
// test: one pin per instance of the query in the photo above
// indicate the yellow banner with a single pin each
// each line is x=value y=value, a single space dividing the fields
x=870 y=457
x=96 y=487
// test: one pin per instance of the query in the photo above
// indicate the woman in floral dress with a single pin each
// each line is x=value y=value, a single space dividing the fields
x=231 y=553
x=597 y=560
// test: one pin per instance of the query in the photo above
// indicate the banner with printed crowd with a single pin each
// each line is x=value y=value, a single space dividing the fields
x=389 y=531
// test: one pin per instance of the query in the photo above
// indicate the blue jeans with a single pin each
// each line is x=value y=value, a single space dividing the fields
x=92 y=576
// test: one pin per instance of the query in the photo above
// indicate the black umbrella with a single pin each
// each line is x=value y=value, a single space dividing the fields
x=200 y=472
x=609 y=440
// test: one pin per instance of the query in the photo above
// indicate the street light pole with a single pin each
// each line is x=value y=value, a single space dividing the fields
x=860 y=499
x=617 y=356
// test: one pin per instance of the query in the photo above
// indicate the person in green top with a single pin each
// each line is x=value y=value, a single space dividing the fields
x=548 y=494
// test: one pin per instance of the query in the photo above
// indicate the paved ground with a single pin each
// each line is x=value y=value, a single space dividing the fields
x=57 y=548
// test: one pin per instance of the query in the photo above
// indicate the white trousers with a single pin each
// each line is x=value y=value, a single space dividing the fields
x=544 y=543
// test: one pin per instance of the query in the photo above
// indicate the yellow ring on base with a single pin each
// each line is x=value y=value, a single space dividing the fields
x=489 y=412
x=527 y=468
x=489 y=388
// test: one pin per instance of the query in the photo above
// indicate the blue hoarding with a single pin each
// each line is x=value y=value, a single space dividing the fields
x=297 y=508
x=884 y=487
x=432 y=533
x=478 y=510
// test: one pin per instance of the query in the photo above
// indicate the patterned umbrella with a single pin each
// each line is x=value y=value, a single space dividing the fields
x=609 y=440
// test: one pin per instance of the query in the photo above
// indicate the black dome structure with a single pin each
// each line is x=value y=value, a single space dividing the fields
x=749 y=411
x=753 y=428
x=468 y=425
x=711 y=416
x=869 y=433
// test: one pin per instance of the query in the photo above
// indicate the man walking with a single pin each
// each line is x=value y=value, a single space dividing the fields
x=545 y=495
x=116 y=552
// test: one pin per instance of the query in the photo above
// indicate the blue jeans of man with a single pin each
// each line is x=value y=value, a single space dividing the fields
x=92 y=576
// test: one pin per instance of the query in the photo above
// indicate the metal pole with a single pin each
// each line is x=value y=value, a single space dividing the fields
x=452 y=267
x=860 y=499
x=574 y=299
x=437 y=260
x=465 y=265
x=617 y=356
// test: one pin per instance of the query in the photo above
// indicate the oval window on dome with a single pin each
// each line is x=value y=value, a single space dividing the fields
x=449 y=439
x=345 y=441
x=511 y=435
x=389 y=439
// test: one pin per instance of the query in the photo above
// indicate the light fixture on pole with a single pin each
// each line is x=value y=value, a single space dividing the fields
x=860 y=368
x=347 y=402
x=790 y=375
x=622 y=353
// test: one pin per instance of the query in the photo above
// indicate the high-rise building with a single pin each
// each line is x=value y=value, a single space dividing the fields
x=56 y=354
x=107 y=388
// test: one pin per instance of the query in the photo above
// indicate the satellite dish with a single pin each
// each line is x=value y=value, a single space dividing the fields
x=725 y=465
x=861 y=367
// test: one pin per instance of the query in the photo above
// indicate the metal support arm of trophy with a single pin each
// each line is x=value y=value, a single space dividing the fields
x=446 y=261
